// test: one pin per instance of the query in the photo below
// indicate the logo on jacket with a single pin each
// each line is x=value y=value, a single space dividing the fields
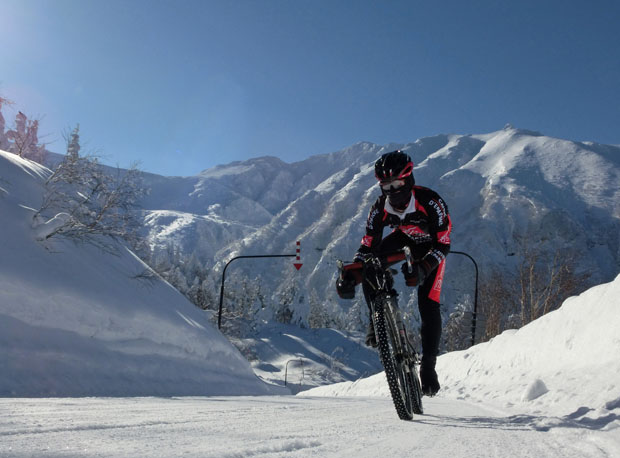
x=440 y=210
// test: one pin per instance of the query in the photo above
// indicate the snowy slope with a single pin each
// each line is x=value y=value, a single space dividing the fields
x=566 y=365
x=75 y=321
x=307 y=358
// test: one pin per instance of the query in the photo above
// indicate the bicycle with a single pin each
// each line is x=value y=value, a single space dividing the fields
x=398 y=355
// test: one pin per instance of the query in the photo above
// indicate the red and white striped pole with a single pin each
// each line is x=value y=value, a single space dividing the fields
x=298 y=263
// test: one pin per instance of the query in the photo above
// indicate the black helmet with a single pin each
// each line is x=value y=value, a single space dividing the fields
x=395 y=174
x=394 y=165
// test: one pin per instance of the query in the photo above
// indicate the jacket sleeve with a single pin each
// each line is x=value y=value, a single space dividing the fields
x=440 y=227
x=374 y=228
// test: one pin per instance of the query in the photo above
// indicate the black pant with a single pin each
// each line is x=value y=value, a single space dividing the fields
x=430 y=315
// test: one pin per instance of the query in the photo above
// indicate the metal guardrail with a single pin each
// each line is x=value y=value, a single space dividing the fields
x=475 y=312
x=301 y=362
x=219 y=315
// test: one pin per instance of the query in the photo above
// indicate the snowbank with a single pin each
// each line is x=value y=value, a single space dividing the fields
x=567 y=359
x=75 y=321
x=565 y=362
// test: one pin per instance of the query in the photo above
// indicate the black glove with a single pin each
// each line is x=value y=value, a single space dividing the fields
x=360 y=256
x=345 y=285
x=419 y=272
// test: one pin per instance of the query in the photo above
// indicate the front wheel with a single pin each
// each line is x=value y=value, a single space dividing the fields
x=398 y=363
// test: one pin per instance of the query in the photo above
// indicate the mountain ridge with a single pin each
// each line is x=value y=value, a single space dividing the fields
x=496 y=184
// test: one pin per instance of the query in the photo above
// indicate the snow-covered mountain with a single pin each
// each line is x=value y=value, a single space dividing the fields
x=78 y=321
x=495 y=184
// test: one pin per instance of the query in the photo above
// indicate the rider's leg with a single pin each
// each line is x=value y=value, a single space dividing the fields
x=430 y=333
x=428 y=303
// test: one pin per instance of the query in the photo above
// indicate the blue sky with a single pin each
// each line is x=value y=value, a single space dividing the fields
x=184 y=85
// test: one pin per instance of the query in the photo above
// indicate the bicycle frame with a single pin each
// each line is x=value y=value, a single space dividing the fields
x=397 y=353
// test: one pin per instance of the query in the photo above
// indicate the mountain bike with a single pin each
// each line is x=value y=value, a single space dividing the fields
x=398 y=355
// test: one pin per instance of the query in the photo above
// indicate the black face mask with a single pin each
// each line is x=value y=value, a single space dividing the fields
x=399 y=199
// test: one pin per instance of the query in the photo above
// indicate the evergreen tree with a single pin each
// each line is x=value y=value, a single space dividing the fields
x=317 y=317
x=73 y=144
x=285 y=300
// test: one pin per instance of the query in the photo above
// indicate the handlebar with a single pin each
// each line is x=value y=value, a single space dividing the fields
x=386 y=261
x=356 y=268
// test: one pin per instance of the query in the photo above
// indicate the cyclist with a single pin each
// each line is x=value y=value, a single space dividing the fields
x=420 y=219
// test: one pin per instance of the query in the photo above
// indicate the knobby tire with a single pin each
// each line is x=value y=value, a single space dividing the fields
x=400 y=372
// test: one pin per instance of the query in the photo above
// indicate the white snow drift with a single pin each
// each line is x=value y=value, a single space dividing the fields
x=566 y=364
x=75 y=321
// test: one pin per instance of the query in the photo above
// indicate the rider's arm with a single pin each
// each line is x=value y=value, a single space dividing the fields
x=440 y=228
x=374 y=228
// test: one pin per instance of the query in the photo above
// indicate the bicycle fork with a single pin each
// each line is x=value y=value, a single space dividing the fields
x=406 y=349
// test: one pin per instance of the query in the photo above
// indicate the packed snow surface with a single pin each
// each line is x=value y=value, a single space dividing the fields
x=270 y=426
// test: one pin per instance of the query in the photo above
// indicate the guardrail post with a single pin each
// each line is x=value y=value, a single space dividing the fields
x=219 y=315
x=475 y=313
x=301 y=362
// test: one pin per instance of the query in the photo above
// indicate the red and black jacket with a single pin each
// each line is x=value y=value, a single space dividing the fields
x=426 y=222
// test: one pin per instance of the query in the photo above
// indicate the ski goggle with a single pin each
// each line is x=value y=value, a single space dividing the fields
x=392 y=185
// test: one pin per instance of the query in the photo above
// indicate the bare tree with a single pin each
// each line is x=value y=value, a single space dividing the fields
x=84 y=201
x=543 y=279
x=497 y=301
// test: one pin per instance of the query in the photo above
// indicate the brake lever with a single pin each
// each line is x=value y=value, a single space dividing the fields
x=340 y=266
x=409 y=258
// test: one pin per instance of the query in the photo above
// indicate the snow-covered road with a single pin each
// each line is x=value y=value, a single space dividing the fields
x=281 y=426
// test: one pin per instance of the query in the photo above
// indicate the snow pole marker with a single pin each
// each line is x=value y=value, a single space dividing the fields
x=298 y=264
